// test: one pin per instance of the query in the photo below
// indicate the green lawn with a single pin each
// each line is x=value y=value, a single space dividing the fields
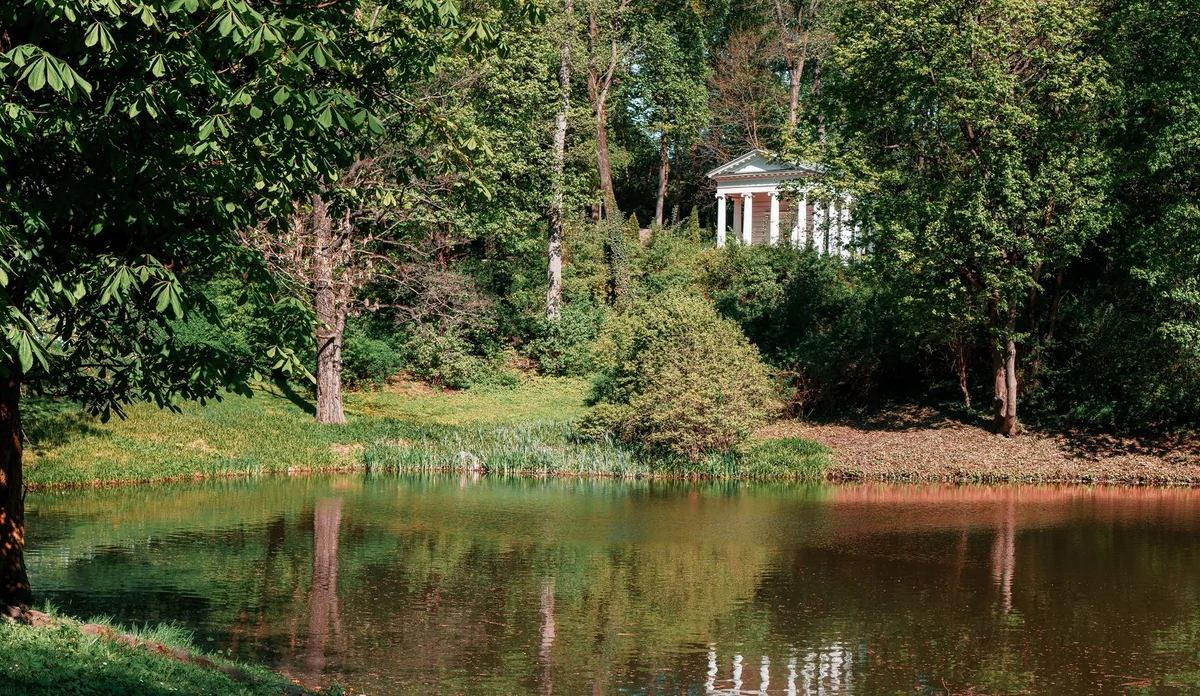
x=523 y=429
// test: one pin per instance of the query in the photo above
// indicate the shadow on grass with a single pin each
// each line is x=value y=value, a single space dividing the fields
x=300 y=402
x=49 y=424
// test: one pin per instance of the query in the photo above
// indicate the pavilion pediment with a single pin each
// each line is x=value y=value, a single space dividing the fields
x=756 y=164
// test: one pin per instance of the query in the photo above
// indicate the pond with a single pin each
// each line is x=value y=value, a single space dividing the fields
x=398 y=585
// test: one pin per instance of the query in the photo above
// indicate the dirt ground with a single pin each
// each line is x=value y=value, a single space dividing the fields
x=923 y=445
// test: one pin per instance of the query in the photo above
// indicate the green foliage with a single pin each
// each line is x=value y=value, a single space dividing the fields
x=672 y=260
x=567 y=346
x=525 y=429
x=679 y=379
x=129 y=153
x=831 y=330
x=245 y=325
x=617 y=258
x=980 y=177
x=692 y=230
x=1127 y=356
x=790 y=457
x=366 y=360
x=445 y=358
x=1117 y=371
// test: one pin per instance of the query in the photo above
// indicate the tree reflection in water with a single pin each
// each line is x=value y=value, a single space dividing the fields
x=322 y=594
x=480 y=585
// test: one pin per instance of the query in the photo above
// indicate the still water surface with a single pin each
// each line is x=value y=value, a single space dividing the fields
x=406 y=585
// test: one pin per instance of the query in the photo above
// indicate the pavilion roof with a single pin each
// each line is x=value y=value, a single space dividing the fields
x=759 y=163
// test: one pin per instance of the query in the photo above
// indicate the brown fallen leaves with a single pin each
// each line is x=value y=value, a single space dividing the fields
x=919 y=445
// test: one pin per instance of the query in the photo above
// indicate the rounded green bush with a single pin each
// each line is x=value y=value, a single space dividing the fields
x=679 y=379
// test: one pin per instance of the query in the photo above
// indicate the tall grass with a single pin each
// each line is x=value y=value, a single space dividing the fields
x=552 y=449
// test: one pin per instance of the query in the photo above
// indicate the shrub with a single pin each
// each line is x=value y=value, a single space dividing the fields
x=567 y=347
x=366 y=360
x=679 y=379
x=445 y=358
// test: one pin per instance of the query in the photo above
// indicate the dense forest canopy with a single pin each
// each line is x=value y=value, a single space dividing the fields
x=201 y=194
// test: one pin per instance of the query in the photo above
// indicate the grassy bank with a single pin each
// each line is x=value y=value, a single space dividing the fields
x=520 y=430
x=107 y=660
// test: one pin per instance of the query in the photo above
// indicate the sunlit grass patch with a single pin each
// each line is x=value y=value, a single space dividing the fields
x=61 y=659
x=535 y=399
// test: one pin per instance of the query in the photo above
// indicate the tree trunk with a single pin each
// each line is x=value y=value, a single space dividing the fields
x=664 y=170
x=816 y=90
x=602 y=159
x=331 y=319
x=14 y=581
x=960 y=359
x=554 y=242
x=1004 y=367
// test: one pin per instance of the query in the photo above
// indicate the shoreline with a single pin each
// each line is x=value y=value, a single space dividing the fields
x=526 y=431
x=923 y=447
x=836 y=474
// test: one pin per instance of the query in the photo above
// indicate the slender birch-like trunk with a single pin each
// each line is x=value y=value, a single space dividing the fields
x=554 y=240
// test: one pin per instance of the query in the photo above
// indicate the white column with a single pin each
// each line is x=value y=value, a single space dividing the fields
x=773 y=235
x=846 y=233
x=748 y=219
x=720 y=220
x=801 y=219
x=835 y=236
x=820 y=229
x=737 y=214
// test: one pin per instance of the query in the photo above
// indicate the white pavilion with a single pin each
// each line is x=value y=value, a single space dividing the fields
x=770 y=199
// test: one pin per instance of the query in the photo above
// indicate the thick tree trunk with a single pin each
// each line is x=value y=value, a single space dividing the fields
x=331 y=319
x=554 y=241
x=664 y=170
x=14 y=581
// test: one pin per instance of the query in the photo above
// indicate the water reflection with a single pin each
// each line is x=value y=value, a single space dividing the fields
x=819 y=671
x=480 y=585
x=322 y=595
